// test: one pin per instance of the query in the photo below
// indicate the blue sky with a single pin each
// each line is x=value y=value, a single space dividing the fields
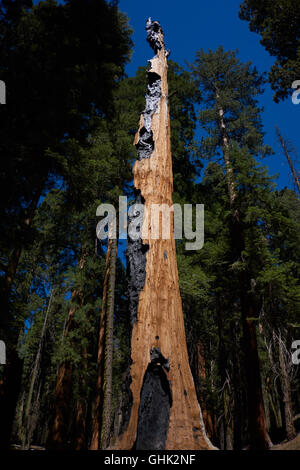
x=195 y=24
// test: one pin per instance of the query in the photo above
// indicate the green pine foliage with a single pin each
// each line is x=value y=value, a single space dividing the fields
x=277 y=22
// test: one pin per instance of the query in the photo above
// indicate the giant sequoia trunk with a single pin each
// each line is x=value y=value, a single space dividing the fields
x=164 y=412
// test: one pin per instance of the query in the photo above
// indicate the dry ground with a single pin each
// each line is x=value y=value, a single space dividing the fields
x=291 y=445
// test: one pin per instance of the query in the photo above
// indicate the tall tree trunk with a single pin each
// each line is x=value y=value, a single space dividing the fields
x=164 y=411
x=36 y=367
x=227 y=421
x=57 y=439
x=259 y=437
x=81 y=409
x=20 y=427
x=226 y=154
x=274 y=395
x=286 y=152
x=228 y=417
x=102 y=405
x=200 y=381
x=286 y=391
x=107 y=404
x=200 y=377
x=35 y=409
x=238 y=389
x=80 y=424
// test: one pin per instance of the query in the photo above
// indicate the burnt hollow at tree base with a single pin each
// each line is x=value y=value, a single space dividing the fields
x=155 y=404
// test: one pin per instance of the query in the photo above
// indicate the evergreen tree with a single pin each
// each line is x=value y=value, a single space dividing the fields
x=277 y=22
x=74 y=55
x=232 y=121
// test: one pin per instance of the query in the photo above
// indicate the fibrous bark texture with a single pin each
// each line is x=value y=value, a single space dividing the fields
x=95 y=440
x=164 y=413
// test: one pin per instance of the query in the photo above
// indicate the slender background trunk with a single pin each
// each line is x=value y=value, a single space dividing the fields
x=286 y=152
x=259 y=437
x=108 y=366
x=99 y=396
x=57 y=438
x=286 y=391
x=36 y=368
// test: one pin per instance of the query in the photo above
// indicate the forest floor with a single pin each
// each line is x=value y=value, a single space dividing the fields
x=290 y=445
x=285 y=445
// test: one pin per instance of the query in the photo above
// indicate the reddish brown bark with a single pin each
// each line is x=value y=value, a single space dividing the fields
x=209 y=417
x=57 y=438
x=80 y=425
x=160 y=321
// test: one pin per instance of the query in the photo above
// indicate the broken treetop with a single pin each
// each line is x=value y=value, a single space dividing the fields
x=155 y=35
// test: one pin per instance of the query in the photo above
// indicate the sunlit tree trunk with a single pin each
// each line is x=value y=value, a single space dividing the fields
x=164 y=411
